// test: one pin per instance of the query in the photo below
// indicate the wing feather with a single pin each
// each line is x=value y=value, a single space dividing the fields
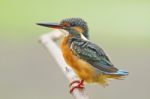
x=93 y=54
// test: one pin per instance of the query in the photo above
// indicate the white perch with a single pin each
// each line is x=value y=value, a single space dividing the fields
x=47 y=41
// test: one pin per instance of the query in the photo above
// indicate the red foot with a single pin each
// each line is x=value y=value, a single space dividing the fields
x=73 y=82
x=79 y=86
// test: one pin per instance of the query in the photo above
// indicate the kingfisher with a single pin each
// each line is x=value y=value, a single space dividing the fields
x=88 y=60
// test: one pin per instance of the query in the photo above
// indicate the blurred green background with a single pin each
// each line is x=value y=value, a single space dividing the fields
x=28 y=72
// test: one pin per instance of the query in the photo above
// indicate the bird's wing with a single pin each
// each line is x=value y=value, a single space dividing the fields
x=92 y=54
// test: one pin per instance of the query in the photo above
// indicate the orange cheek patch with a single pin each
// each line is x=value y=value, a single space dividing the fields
x=78 y=29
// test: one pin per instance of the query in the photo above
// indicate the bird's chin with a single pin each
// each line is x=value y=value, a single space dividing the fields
x=66 y=33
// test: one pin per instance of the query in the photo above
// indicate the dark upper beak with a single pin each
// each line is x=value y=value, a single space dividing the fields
x=51 y=25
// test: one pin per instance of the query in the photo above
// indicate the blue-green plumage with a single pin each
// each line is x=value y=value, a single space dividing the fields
x=93 y=54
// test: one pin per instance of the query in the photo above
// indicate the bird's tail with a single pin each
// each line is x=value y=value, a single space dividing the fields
x=120 y=73
x=117 y=75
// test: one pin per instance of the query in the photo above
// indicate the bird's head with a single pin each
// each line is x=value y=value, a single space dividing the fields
x=75 y=26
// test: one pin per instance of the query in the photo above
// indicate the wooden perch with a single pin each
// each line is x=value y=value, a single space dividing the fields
x=47 y=41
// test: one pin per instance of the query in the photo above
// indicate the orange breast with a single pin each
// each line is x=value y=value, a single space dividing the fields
x=83 y=69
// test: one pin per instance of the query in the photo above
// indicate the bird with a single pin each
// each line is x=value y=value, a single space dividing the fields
x=87 y=59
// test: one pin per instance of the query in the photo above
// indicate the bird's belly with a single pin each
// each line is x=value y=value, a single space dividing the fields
x=83 y=69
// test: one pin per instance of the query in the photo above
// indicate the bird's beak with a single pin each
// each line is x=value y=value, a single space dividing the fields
x=51 y=25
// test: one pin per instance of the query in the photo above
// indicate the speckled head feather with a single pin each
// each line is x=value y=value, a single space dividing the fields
x=77 y=22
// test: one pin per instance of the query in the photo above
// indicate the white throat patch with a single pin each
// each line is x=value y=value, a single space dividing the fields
x=83 y=37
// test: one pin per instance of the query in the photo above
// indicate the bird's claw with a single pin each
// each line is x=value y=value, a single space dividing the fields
x=80 y=85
